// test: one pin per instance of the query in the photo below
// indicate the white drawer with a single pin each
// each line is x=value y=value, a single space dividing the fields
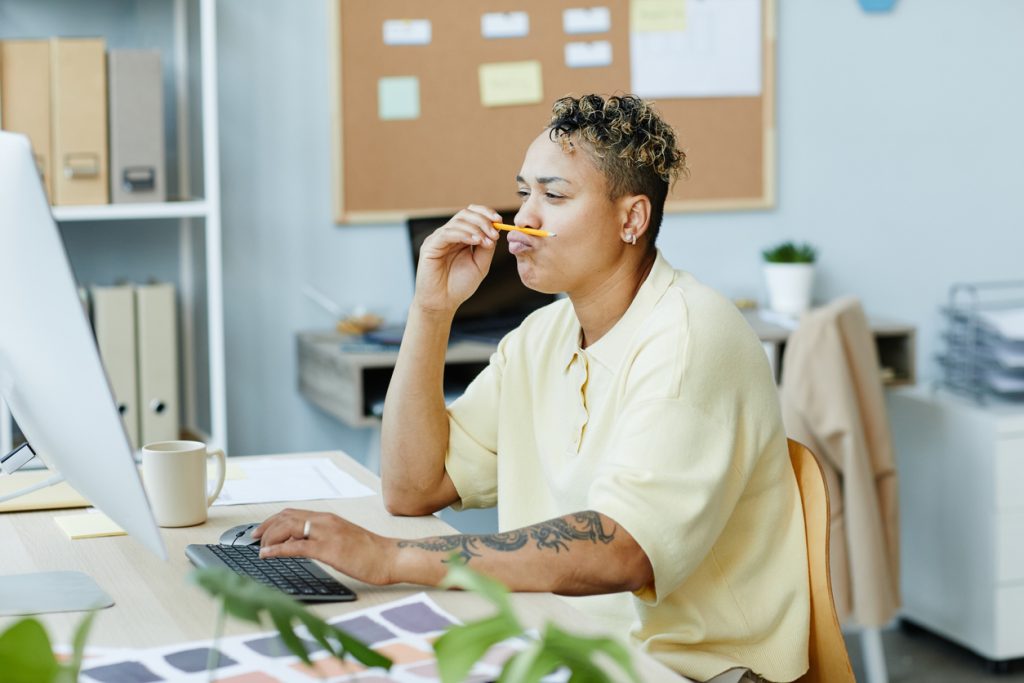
x=1009 y=625
x=1009 y=527
x=1009 y=473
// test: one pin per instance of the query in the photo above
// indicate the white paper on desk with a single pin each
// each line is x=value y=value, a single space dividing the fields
x=278 y=480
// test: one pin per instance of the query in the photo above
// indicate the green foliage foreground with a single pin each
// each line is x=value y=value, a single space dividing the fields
x=26 y=653
x=461 y=646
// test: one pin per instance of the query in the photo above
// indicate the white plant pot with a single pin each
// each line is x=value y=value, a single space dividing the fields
x=789 y=286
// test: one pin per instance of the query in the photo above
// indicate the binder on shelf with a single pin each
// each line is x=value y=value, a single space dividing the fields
x=79 y=100
x=156 y=324
x=135 y=84
x=113 y=321
x=25 y=99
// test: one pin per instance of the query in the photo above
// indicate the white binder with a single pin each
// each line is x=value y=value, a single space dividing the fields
x=135 y=88
x=156 y=322
x=113 y=314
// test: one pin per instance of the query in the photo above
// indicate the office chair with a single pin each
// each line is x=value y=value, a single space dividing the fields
x=833 y=400
x=829 y=661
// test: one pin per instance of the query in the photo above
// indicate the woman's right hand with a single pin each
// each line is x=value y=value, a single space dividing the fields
x=455 y=258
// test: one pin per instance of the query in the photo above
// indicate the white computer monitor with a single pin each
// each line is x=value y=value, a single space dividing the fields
x=50 y=371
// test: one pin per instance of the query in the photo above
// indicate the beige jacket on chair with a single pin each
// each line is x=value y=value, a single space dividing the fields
x=833 y=401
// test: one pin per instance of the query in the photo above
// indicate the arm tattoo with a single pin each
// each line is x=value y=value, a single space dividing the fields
x=554 y=534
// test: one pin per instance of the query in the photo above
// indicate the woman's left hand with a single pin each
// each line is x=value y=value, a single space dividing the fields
x=349 y=548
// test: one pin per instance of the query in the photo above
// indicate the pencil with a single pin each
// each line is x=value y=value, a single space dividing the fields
x=528 y=231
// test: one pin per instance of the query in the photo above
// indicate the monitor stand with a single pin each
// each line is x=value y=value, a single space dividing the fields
x=43 y=592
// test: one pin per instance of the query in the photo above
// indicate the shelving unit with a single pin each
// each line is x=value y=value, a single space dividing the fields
x=196 y=219
x=115 y=212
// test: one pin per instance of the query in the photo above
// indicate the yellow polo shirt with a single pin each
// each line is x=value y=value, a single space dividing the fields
x=670 y=425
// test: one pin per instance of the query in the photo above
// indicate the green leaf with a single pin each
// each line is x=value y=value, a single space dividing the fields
x=577 y=652
x=248 y=600
x=26 y=655
x=322 y=631
x=461 y=646
x=283 y=624
x=236 y=592
x=461 y=576
x=74 y=665
x=530 y=665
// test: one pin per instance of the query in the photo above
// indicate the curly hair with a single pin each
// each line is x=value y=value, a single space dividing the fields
x=631 y=144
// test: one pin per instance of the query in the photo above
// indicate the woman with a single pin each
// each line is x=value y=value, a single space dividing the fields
x=629 y=434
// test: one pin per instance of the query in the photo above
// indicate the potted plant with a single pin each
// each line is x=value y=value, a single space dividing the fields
x=789 y=273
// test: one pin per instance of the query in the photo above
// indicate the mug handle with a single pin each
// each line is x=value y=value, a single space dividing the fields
x=221 y=474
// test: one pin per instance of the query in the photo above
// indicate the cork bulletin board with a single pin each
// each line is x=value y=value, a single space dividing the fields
x=414 y=135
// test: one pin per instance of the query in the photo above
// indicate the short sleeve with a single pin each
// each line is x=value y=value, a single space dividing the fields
x=472 y=460
x=671 y=479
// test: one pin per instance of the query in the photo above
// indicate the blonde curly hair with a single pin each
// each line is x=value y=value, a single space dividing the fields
x=631 y=144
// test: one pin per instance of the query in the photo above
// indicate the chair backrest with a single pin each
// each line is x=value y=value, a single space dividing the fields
x=829 y=661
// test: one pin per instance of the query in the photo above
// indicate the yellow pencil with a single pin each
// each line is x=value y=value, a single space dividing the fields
x=528 y=231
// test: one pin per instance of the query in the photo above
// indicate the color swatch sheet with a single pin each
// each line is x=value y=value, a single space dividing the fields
x=402 y=630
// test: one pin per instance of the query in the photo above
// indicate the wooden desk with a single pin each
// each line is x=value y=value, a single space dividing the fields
x=350 y=383
x=156 y=605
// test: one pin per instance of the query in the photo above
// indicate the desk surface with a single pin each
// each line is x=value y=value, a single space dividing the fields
x=155 y=604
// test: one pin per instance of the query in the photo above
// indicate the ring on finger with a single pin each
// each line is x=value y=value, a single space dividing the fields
x=306 y=528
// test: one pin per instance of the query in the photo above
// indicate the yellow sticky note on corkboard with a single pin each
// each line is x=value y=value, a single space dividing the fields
x=657 y=15
x=504 y=84
x=88 y=525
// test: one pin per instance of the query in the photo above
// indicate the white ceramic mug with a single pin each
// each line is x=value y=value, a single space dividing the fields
x=174 y=475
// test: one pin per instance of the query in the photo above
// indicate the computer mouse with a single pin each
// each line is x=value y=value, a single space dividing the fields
x=240 y=535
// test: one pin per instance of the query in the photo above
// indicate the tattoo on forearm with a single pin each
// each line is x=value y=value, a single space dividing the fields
x=553 y=534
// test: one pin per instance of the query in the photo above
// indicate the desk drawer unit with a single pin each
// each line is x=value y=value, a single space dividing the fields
x=349 y=379
x=961 y=470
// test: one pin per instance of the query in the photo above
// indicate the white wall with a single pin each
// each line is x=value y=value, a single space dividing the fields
x=900 y=145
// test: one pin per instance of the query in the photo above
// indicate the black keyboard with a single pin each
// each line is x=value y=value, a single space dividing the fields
x=299 y=577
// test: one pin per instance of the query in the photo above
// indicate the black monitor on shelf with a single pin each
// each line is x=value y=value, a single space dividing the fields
x=500 y=303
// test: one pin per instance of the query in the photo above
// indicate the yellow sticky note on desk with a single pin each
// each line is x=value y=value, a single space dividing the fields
x=51 y=497
x=88 y=525
x=657 y=15
x=503 y=84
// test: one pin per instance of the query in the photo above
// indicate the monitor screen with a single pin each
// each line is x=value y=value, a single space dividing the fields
x=501 y=295
x=50 y=369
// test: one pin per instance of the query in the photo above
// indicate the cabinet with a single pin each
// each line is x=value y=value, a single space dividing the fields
x=185 y=32
x=961 y=471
